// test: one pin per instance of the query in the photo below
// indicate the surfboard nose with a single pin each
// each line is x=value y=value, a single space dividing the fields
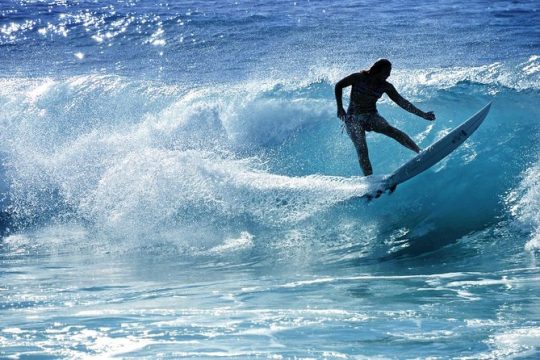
x=437 y=151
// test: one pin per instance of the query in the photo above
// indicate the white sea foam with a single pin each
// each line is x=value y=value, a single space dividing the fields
x=245 y=241
x=143 y=169
x=512 y=344
x=524 y=205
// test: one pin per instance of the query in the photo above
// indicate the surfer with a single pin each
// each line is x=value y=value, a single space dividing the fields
x=361 y=116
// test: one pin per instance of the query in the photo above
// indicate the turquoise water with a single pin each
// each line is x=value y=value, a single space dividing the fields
x=175 y=183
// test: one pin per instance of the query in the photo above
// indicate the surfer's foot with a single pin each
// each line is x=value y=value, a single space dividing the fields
x=378 y=193
x=392 y=189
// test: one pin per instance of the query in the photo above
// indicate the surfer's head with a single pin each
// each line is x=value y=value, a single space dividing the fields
x=381 y=69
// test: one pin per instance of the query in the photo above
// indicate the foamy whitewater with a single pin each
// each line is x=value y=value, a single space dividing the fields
x=175 y=183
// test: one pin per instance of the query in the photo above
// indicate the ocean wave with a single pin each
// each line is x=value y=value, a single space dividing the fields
x=140 y=156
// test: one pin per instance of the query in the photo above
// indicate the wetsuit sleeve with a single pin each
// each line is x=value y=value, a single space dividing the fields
x=401 y=101
x=343 y=83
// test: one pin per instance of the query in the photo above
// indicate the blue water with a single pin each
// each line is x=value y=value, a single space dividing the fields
x=175 y=184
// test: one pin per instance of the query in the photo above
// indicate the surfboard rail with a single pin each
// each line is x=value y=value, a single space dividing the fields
x=434 y=153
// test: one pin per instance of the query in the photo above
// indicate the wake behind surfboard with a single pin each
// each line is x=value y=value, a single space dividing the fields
x=431 y=155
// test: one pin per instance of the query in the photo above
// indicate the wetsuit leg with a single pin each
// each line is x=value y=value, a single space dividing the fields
x=358 y=137
x=381 y=126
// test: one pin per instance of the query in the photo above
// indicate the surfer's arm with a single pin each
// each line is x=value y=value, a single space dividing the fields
x=405 y=104
x=343 y=83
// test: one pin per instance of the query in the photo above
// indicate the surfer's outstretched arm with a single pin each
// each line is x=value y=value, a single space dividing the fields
x=405 y=104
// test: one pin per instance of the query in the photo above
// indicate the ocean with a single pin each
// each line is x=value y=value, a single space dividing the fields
x=174 y=181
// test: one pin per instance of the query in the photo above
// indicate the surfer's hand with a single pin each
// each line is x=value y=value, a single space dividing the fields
x=341 y=114
x=429 y=116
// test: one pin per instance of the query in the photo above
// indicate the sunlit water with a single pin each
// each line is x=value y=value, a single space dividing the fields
x=175 y=182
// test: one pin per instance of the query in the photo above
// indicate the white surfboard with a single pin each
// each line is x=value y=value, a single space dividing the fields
x=433 y=154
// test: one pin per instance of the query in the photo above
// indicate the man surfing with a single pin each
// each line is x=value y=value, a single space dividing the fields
x=367 y=87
